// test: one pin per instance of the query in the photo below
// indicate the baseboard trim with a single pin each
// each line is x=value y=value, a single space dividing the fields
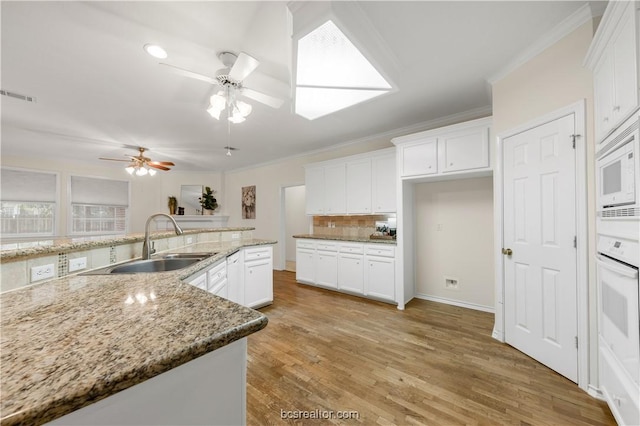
x=459 y=303
x=596 y=393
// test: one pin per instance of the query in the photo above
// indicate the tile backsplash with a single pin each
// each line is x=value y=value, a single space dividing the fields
x=348 y=226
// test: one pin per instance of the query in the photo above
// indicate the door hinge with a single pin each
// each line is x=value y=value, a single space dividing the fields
x=576 y=342
x=575 y=242
x=573 y=140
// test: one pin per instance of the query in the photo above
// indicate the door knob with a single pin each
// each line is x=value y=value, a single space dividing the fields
x=507 y=251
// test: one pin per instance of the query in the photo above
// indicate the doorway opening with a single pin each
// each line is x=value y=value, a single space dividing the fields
x=294 y=221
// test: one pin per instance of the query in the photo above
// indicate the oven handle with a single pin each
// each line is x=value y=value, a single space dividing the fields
x=627 y=272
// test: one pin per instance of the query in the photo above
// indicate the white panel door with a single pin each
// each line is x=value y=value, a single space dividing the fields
x=383 y=175
x=359 y=186
x=540 y=301
x=335 y=189
x=351 y=272
x=314 y=187
x=327 y=268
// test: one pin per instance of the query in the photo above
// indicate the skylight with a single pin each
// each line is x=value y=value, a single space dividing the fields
x=332 y=74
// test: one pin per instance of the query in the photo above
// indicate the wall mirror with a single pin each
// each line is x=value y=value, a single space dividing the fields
x=189 y=195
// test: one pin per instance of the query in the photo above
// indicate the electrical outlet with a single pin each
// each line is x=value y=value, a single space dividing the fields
x=77 y=264
x=440 y=227
x=451 y=283
x=189 y=240
x=42 y=272
x=235 y=236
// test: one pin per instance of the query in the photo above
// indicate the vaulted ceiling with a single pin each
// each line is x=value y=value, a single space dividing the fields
x=98 y=94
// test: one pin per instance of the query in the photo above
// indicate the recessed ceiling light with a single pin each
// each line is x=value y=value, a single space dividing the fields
x=155 y=51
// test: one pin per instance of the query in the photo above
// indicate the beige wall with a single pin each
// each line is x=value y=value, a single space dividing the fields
x=454 y=239
x=552 y=80
x=148 y=194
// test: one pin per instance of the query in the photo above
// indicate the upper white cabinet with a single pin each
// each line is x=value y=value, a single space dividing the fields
x=613 y=57
x=358 y=184
x=420 y=158
x=383 y=192
x=452 y=150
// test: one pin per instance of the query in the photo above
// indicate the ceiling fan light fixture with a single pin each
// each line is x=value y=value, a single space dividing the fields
x=152 y=172
x=130 y=169
x=141 y=171
x=243 y=108
x=214 y=112
x=155 y=51
x=237 y=117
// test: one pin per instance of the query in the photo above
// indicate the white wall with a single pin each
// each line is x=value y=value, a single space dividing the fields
x=454 y=238
x=296 y=221
x=148 y=194
x=552 y=80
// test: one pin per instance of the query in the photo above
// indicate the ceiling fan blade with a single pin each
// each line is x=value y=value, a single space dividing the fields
x=157 y=166
x=244 y=66
x=271 y=101
x=189 y=74
x=162 y=163
x=113 y=159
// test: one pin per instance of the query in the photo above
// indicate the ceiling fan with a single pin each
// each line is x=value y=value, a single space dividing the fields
x=141 y=165
x=230 y=82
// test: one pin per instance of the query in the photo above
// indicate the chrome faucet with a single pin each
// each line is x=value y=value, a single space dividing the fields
x=147 y=251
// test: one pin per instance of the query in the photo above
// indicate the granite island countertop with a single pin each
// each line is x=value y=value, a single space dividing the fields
x=73 y=341
x=343 y=238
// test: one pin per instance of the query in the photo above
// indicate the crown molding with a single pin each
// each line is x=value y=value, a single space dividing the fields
x=557 y=33
x=460 y=117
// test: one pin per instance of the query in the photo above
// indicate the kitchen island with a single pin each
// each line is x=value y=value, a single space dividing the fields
x=84 y=340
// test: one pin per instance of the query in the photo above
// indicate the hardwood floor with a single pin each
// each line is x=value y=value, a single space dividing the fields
x=431 y=364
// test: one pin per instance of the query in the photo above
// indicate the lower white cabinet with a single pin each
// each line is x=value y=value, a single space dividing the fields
x=217 y=280
x=357 y=268
x=234 y=277
x=327 y=264
x=258 y=276
x=245 y=277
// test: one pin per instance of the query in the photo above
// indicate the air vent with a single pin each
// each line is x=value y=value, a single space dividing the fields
x=628 y=212
x=17 y=96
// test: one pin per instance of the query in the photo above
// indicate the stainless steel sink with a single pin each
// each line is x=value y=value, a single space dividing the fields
x=187 y=255
x=168 y=262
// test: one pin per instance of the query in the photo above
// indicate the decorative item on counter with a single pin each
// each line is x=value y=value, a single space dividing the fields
x=207 y=201
x=180 y=211
x=173 y=205
x=249 y=202
x=382 y=232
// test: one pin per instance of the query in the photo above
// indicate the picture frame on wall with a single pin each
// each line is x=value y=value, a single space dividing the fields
x=249 y=202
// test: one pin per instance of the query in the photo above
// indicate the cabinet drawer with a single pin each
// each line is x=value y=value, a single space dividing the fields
x=380 y=250
x=327 y=246
x=257 y=253
x=621 y=395
x=352 y=248
x=305 y=244
x=217 y=273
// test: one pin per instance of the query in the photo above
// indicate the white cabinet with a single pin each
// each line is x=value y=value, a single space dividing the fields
x=450 y=151
x=326 y=264
x=351 y=268
x=335 y=189
x=383 y=176
x=217 y=280
x=258 y=276
x=314 y=190
x=359 y=186
x=199 y=280
x=613 y=57
x=464 y=150
x=357 y=268
x=380 y=271
x=305 y=261
x=420 y=158
x=234 y=278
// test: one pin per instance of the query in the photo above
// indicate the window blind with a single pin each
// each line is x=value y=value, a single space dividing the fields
x=106 y=192
x=27 y=185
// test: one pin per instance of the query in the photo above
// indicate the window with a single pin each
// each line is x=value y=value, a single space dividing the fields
x=99 y=206
x=28 y=203
x=332 y=74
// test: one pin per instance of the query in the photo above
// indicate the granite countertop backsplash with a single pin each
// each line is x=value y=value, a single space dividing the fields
x=53 y=245
x=73 y=341
x=343 y=238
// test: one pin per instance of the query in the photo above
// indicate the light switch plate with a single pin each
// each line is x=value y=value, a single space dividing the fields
x=77 y=264
x=189 y=240
x=235 y=236
x=43 y=272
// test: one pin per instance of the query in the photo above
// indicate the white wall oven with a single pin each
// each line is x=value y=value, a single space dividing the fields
x=618 y=171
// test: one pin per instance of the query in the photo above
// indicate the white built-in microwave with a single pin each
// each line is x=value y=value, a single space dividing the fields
x=618 y=173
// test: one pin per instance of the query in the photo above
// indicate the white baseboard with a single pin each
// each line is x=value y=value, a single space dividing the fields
x=446 y=301
x=596 y=393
